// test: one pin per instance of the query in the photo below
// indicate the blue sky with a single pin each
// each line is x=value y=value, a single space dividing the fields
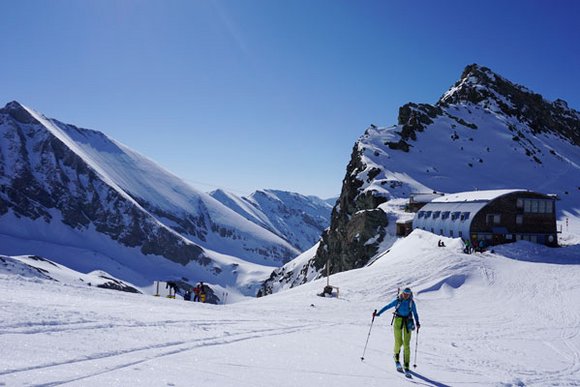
x=252 y=94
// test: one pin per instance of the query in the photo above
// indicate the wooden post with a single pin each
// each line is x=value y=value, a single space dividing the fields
x=328 y=272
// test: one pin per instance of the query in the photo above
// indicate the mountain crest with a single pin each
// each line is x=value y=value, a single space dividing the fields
x=480 y=86
x=18 y=112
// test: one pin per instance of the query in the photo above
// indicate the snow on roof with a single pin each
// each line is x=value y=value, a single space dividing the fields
x=475 y=196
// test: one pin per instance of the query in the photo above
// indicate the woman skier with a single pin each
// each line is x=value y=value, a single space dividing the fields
x=403 y=325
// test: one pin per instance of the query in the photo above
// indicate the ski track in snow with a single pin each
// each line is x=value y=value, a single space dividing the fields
x=143 y=354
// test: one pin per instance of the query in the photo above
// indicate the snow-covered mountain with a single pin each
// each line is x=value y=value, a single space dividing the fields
x=296 y=218
x=485 y=132
x=82 y=199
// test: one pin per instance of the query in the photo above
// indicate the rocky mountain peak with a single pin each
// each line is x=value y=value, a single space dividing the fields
x=18 y=112
x=480 y=86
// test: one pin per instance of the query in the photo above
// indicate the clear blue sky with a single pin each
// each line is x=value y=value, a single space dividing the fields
x=251 y=94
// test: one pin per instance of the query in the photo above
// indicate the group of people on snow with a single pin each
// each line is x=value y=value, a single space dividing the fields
x=469 y=246
x=475 y=246
x=199 y=292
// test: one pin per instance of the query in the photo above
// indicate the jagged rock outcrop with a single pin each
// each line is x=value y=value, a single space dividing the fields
x=355 y=220
x=480 y=86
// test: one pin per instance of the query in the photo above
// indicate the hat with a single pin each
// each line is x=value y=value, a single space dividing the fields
x=407 y=290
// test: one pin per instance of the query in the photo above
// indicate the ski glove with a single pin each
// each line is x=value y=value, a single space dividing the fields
x=418 y=327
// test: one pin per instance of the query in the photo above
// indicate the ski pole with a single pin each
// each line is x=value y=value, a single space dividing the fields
x=369 y=335
x=416 y=345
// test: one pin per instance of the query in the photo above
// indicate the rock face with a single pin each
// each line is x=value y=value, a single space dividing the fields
x=485 y=132
x=71 y=186
x=355 y=220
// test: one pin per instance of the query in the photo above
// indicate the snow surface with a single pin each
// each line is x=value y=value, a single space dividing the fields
x=495 y=319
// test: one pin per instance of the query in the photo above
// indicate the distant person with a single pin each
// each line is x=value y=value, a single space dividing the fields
x=202 y=293
x=187 y=295
x=468 y=246
x=441 y=243
x=196 y=293
x=172 y=286
x=403 y=325
x=482 y=245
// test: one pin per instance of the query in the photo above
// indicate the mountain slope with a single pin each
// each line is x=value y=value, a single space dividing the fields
x=484 y=133
x=76 y=187
x=296 y=218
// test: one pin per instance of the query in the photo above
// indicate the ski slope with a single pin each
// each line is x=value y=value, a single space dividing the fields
x=495 y=319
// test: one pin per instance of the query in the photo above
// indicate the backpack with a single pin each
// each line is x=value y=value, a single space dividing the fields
x=408 y=321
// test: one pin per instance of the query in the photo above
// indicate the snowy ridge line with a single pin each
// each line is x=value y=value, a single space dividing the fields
x=64 y=138
x=71 y=144
x=173 y=348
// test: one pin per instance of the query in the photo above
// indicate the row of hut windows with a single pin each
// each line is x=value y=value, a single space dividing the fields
x=536 y=206
x=444 y=215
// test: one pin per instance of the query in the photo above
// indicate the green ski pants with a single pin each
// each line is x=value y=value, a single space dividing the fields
x=402 y=337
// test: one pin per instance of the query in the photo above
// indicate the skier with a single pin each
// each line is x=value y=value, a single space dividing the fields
x=405 y=310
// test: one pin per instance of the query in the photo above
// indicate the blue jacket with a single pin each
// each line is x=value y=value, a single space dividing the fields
x=403 y=309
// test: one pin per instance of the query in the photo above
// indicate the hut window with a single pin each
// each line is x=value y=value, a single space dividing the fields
x=534 y=206
x=450 y=233
x=455 y=215
x=542 y=206
x=520 y=203
x=421 y=213
x=464 y=215
x=549 y=206
x=527 y=205
x=519 y=219
x=436 y=214
x=445 y=215
x=493 y=219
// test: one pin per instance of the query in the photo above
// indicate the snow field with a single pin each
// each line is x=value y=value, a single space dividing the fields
x=486 y=320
